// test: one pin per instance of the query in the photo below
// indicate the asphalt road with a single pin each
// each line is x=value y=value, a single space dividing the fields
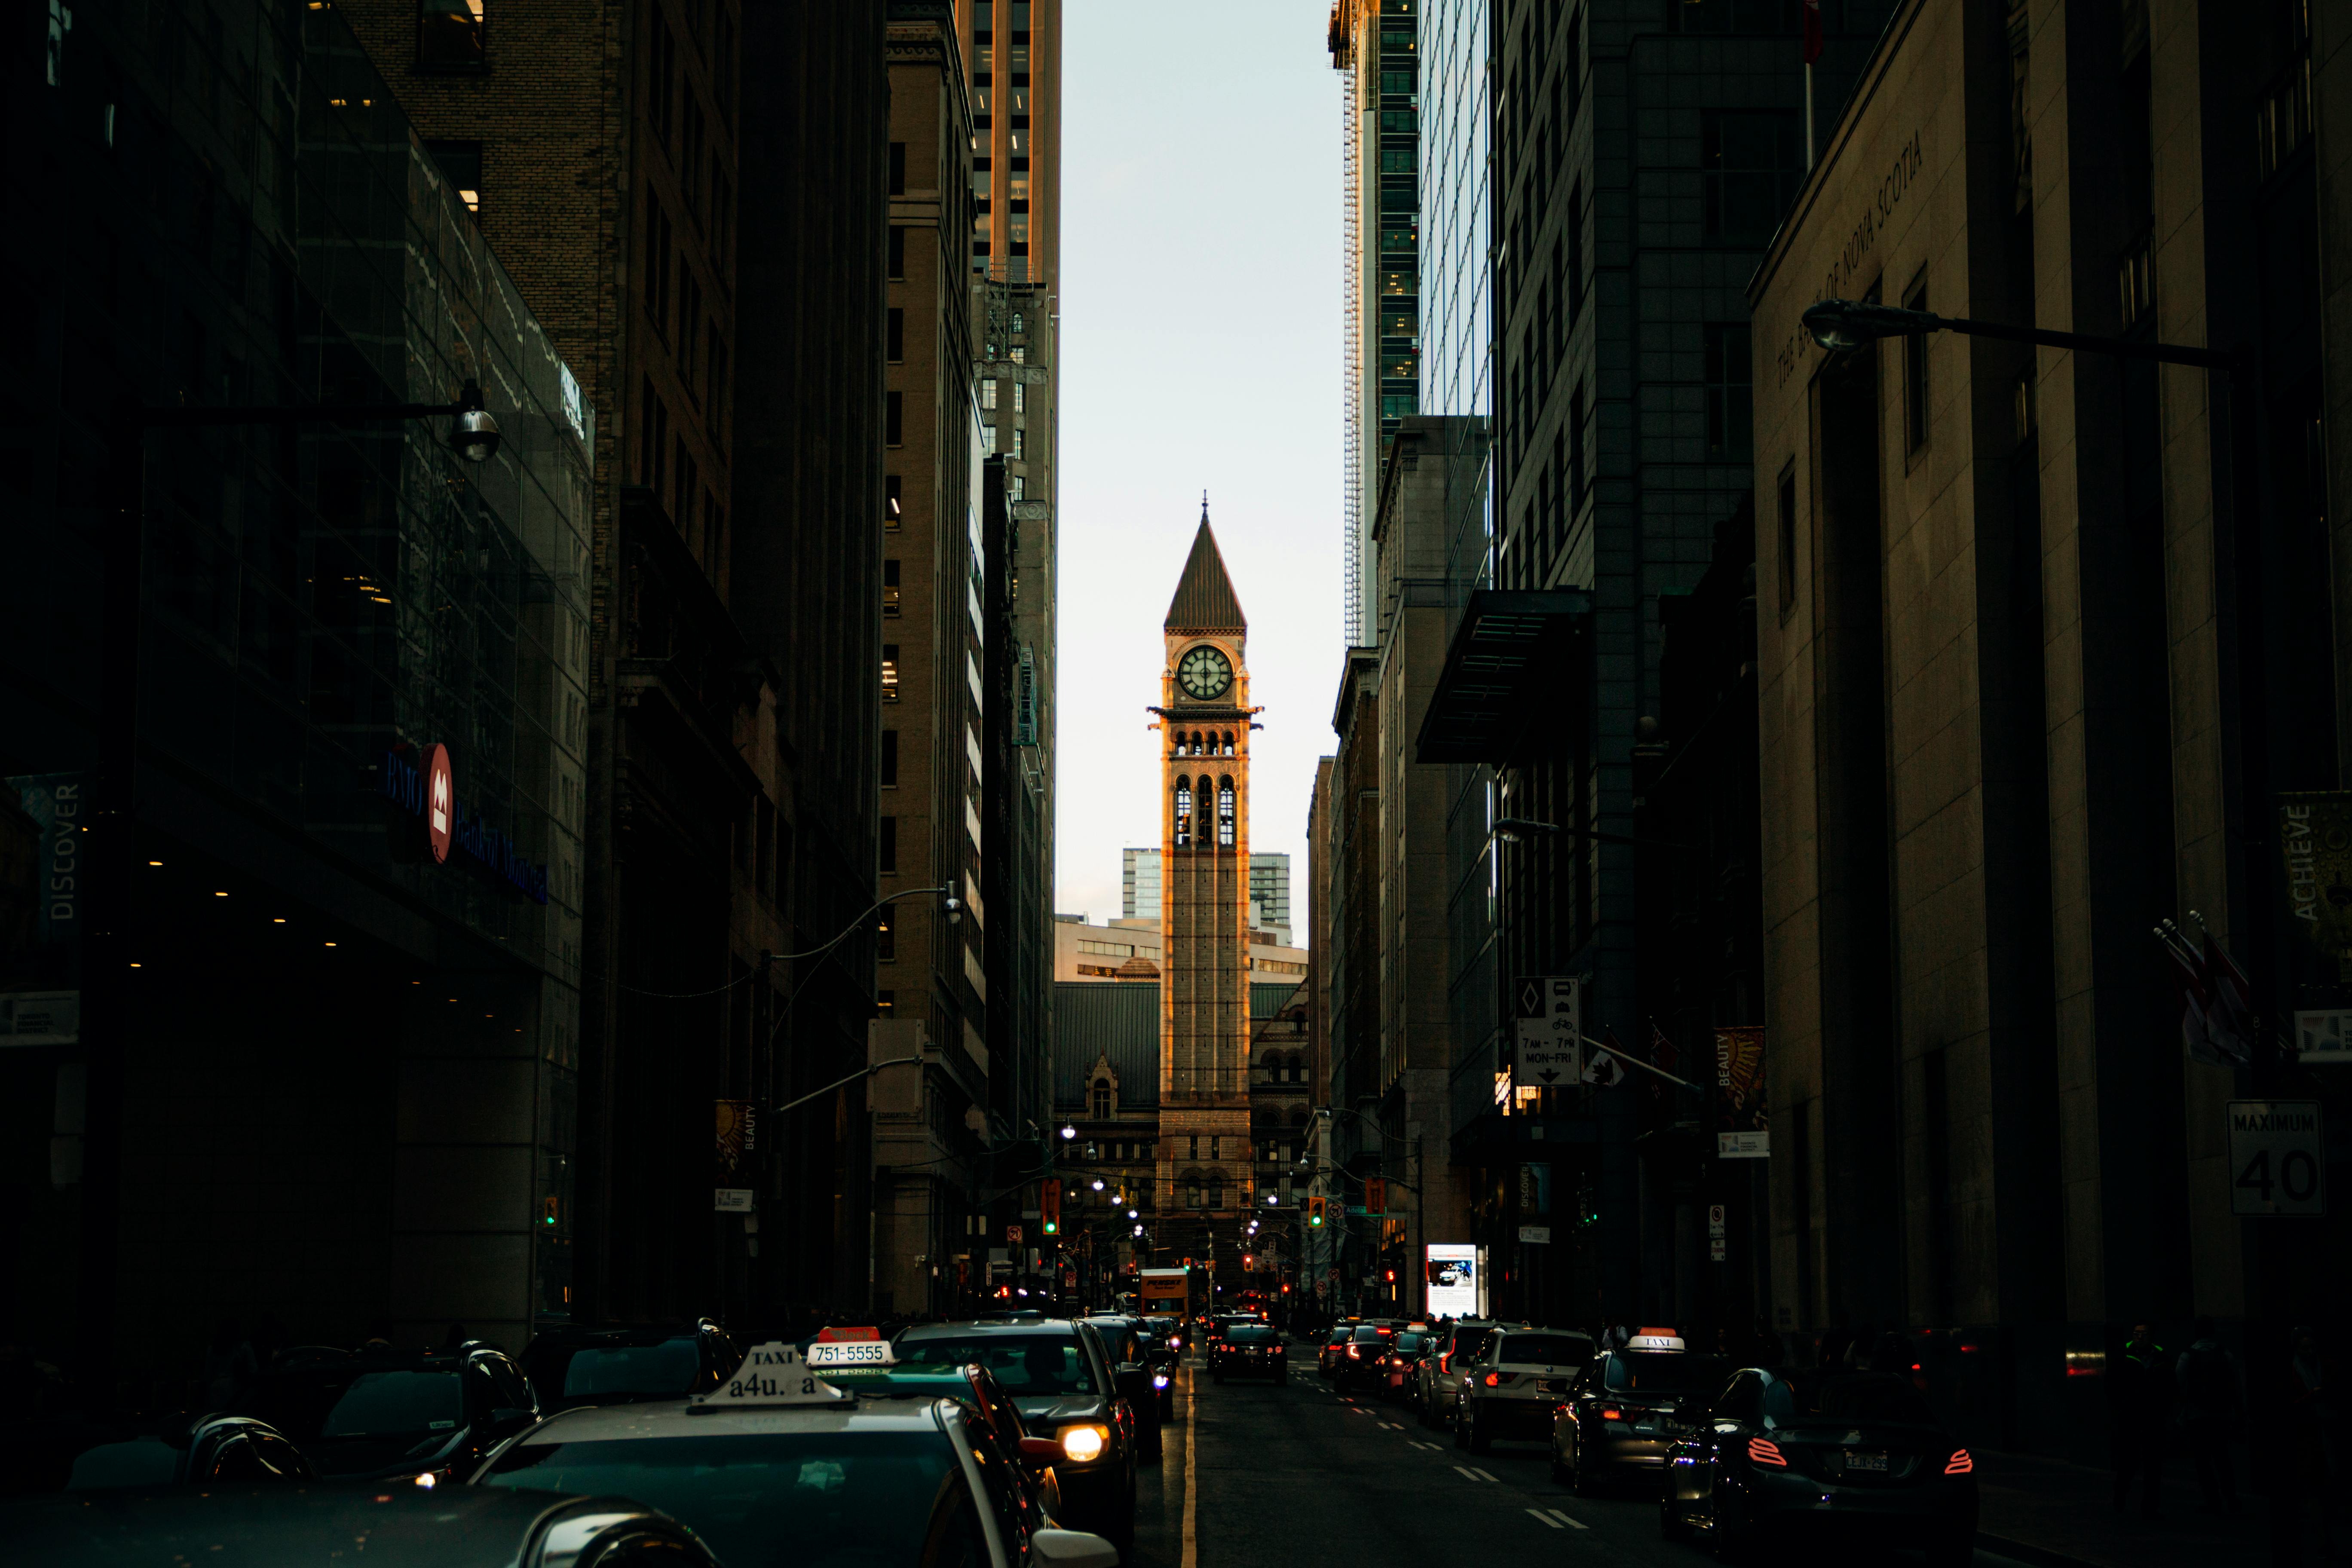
x=1253 y=1475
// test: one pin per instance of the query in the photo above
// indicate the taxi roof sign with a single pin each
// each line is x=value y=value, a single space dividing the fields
x=1651 y=1339
x=772 y=1375
x=845 y=1361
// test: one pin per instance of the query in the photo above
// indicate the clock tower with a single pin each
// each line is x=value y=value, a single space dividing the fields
x=1204 y=1165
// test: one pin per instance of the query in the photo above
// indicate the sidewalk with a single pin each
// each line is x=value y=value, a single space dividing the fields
x=2060 y=1514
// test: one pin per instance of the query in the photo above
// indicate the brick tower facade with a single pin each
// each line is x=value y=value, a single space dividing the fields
x=1204 y=1137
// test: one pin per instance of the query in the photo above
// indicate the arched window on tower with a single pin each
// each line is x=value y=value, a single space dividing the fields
x=1196 y=743
x=1103 y=1100
x=1183 y=813
x=1229 y=743
x=1224 y=813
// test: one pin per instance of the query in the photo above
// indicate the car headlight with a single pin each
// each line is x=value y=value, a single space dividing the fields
x=1159 y=1380
x=1084 y=1445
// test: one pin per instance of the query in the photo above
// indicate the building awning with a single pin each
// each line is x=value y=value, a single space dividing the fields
x=1483 y=697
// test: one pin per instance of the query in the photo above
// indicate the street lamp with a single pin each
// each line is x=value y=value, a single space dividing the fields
x=1841 y=324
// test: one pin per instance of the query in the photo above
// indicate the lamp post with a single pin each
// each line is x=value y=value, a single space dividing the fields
x=110 y=860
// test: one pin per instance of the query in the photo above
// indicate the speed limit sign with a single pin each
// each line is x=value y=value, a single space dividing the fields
x=2278 y=1160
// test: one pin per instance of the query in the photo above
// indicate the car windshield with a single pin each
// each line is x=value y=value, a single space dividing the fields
x=1024 y=1363
x=1371 y=1334
x=1664 y=1372
x=1831 y=1398
x=785 y=1500
x=1410 y=1340
x=1470 y=1341
x=344 y=1403
x=1252 y=1335
x=668 y=1369
x=1543 y=1350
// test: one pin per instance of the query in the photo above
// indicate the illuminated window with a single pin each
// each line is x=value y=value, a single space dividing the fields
x=449 y=34
x=1183 y=813
x=1226 y=814
x=889 y=672
x=461 y=164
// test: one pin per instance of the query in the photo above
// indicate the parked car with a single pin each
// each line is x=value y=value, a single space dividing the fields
x=1360 y=1360
x=1130 y=1351
x=1400 y=1369
x=1795 y=1453
x=1334 y=1348
x=1519 y=1376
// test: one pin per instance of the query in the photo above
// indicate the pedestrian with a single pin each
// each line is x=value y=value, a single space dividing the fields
x=2139 y=1414
x=2212 y=1405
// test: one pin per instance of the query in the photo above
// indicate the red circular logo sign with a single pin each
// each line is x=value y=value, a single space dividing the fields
x=440 y=801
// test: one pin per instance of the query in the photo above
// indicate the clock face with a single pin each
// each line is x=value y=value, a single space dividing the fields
x=1203 y=673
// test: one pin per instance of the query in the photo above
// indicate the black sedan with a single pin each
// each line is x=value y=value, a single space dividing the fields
x=1059 y=1376
x=1250 y=1350
x=1625 y=1409
x=382 y=1415
x=624 y=1363
x=1830 y=1454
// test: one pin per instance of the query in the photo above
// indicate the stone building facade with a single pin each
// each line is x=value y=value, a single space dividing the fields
x=2043 y=635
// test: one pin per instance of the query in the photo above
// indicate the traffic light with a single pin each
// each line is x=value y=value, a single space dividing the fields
x=1049 y=1207
x=1315 y=1212
x=1376 y=1195
x=1391 y=1275
x=1247 y=1261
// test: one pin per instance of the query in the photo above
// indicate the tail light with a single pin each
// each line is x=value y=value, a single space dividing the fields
x=1763 y=1451
x=1610 y=1413
x=1355 y=1353
x=1494 y=1380
x=1960 y=1464
x=1445 y=1361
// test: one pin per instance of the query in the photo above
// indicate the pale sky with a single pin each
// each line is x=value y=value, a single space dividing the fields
x=1200 y=349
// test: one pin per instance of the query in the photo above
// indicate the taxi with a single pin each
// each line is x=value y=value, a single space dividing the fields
x=784 y=1466
x=1628 y=1406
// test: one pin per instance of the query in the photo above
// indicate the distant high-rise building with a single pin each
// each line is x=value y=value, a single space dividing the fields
x=1375 y=43
x=1269 y=884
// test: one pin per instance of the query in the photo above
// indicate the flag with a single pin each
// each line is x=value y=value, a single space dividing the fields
x=2216 y=1019
x=1662 y=1056
x=1602 y=1066
x=1812 y=31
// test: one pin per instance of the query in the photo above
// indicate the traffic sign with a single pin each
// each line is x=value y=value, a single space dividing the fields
x=1376 y=1195
x=1012 y=1236
x=2278 y=1158
x=1715 y=1225
x=1550 y=1032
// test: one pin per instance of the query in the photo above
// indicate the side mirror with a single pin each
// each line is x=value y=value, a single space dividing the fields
x=510 y=1417
x=1072 y=1549
x=1133 y=1381
x=1040 y=1451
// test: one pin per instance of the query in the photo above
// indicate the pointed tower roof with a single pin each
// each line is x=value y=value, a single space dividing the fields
x=1204 y=598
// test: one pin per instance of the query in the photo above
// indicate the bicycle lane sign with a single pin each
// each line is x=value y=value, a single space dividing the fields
x=2278 y=1158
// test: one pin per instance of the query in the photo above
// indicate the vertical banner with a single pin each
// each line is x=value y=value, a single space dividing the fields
x=1742 y=1126
x=2315 y=842
x=1551 y=1054
x=42 y=916
x=738 y=1131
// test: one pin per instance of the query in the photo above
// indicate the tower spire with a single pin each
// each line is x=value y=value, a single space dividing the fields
x=1205 y=506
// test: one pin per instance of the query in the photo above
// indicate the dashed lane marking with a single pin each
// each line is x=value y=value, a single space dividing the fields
x=1543 y=1518
x=1567 y=1518
x=1483 y=1476
x=1425 y=1447
x=1467 y=1474
x=1391 y=1426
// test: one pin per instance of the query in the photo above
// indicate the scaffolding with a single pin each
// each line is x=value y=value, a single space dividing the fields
x=1344 y=57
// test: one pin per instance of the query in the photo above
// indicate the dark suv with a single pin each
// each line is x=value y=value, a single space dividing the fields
x=627 y=1363
x=389 y=1414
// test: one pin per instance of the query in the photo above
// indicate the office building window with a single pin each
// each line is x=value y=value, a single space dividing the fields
x=1751 y=165
x=657 y=263
x=1742 y=16
x=887 y=846
x=654 y=449
x=1915 y=377
x=1575 y=468
x=450 y=36
x=889 y=672
x=897 y=255
x=661 y=75
x=1788 y=535
x=893 y=335
x=898 y=168
x=1729 y=420
x=889 y=759
x=886 y=940
x=891 y=510
x=894 y=418
x=890 y=589
x=886 y=1003
x=988 y=392
x=460 y=164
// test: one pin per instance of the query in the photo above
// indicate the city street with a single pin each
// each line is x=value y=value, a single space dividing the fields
x=1297 y=1474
